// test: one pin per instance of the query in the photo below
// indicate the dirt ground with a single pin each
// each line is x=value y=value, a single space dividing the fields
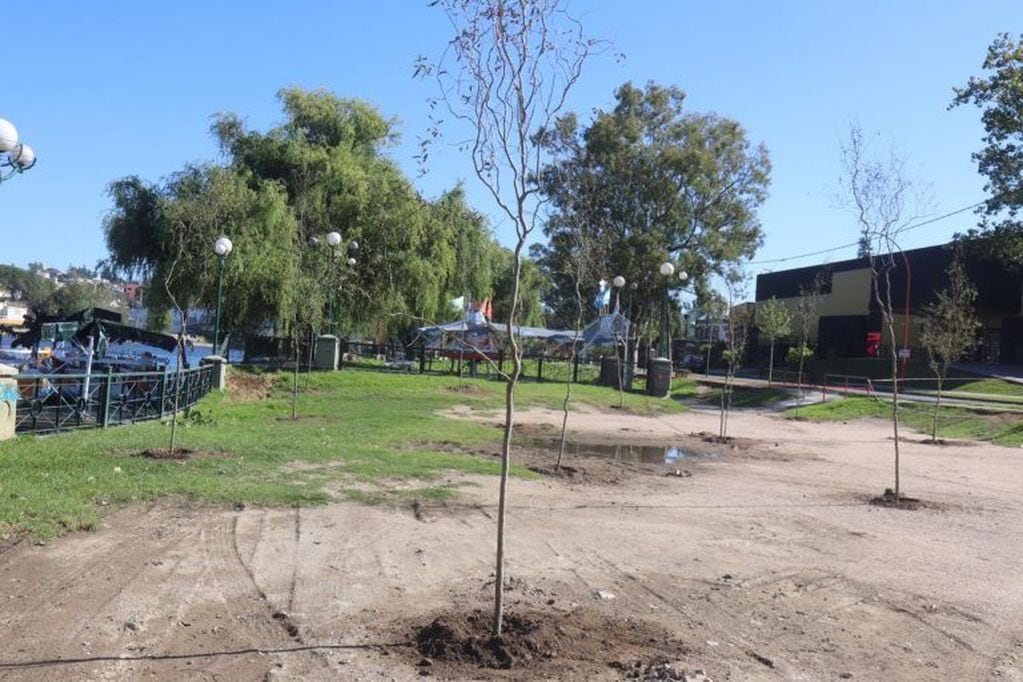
x=765 y=562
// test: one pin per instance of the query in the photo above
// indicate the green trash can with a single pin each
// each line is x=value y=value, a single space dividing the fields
x=658 y=377
x=614 y=372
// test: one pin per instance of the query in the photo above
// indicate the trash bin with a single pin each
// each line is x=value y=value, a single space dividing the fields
x=326 y=352
x=658 y=376
x=608 y=367
x=614 y=372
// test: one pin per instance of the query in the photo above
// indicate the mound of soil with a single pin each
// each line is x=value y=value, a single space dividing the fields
x=179 y=454
x=888 y=499
x=535 y=643
x=245 y=387
x=943 y=442
x=708 y=437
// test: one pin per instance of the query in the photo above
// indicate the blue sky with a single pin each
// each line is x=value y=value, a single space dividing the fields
x=105 y=88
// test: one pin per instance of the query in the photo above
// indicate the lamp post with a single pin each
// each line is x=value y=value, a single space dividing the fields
x=683 y=277
x=618 y=283
x=222 y=247
x=15 y=156
x=624 y=375
x=667 y=269
x=333 y=239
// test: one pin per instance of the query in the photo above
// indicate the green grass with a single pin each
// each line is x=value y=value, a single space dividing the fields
x=357 y=430
x=953 y=422
x=749 y=396
x=988 y=386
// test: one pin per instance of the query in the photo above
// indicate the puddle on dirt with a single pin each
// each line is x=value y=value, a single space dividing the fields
x=647 y=454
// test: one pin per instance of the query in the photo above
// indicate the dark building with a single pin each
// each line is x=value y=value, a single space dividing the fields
x=849 y=319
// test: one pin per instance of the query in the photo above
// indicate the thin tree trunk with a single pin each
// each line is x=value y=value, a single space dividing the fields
x=294 y=382
x=886 y=311
x=509 y=416
x=309 y=365
x=721 y=416
x=770 y=366
x=934 y=421
x=895 y=407
x=799 y=378
x=178 y=375
x=568 y=382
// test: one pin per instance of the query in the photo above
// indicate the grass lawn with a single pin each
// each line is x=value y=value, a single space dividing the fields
x=953 y=422
x=358 y=434
x=988 y=386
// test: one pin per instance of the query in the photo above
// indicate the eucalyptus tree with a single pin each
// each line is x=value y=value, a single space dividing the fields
x=662 y=183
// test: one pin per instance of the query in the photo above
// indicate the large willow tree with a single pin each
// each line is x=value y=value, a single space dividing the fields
x=164 y=234
x=323 y=169
x=413 y=256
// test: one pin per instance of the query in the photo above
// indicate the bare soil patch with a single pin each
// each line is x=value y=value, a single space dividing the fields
x=537 y=644
x=181 y=454
x=247 y=388
x=467 y=389
x=756 y=568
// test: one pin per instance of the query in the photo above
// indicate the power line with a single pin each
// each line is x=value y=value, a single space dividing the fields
x=856 y=243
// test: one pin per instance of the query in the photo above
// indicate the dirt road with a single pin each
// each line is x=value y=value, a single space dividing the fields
x=766 y=563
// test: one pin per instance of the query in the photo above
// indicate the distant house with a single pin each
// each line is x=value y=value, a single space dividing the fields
x=12 y=313
x=849 y=321
x=132 y=292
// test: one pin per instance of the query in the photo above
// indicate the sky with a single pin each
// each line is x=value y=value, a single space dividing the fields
x=105 y=89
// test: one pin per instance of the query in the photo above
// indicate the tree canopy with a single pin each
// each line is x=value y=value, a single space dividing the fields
x=322 y=169
x=165 y=233
x=999 y=94
x=653 y=182
x=26 y=285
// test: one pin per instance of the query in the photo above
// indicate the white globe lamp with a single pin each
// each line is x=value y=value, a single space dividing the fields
x=223 y=247
x=8 y=136
x=22 y=156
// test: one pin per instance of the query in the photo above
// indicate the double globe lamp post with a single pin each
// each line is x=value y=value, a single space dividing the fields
x=333 y=241
x=667 y=269
x=15 y=156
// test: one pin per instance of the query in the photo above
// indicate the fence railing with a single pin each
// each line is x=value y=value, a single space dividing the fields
x=417 y=359
x=425 y=360
x=62 y=402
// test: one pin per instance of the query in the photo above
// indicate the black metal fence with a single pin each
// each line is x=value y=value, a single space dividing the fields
x=418 y=359
x=62 y=402
x=425 y=360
